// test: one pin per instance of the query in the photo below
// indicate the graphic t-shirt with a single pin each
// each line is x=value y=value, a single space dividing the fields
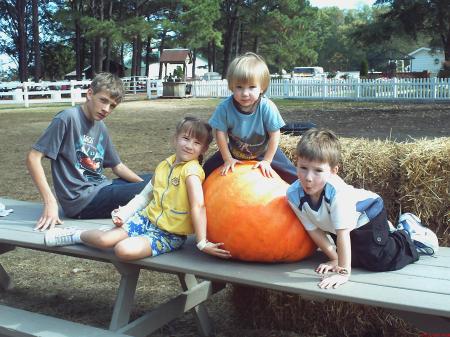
x=247 y=133
x=79 y=150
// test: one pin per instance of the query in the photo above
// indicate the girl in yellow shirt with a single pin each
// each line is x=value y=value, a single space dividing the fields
x=171 y=206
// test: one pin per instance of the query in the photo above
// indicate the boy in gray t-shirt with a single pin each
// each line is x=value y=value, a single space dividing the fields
x=79 y=147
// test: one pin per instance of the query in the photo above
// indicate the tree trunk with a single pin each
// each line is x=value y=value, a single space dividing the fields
x=231 y=12
x=214 y=56
x=161 y=48
x=446 y=44
x=148 y=51
x=77 y=7
x=22 y=40
x=134 y=57
x=108 y=44
x=194 y=58
x=209 y=56
x=239 y=37
x=94 y=68
x=138 y=55
x=99 y=40
x=36 y=42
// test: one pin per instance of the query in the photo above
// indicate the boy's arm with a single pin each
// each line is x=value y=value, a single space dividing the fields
x=274 y=140
x=321 y=240
x=198 y=216
x=49 y=217
x=343 y=267
x=264 y=165
x=122 y=171
x=222 y=143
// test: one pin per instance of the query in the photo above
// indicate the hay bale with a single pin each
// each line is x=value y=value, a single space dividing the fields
x=269 y=309
x=425 y=183
x=373 y=165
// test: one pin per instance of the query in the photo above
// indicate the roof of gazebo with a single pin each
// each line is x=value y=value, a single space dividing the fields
x=175 y=56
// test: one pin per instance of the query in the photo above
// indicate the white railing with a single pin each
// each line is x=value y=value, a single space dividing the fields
x=73 y=92
x=27 y=93
x=352 y=89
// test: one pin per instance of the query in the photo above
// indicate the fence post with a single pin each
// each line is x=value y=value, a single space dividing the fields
x=358 y=89
x=285 y=88
x=395 y=84
x=25 y=94
x=324 y=88
x=434 y=87
x=72 y=92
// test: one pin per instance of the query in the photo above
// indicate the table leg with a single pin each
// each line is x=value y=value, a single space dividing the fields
x=5 y=280
x=125 y=295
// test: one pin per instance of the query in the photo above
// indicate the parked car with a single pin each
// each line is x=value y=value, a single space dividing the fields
x=211 y=76
x=314 y=72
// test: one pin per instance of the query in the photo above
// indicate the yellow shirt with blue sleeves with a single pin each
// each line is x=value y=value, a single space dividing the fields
x=169 y=208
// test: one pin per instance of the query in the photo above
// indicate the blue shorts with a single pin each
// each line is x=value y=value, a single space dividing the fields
x=161 y=241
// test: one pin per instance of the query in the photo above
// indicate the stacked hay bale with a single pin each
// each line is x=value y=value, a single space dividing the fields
x=269 y=309
x=425 y=183
x=413 y=177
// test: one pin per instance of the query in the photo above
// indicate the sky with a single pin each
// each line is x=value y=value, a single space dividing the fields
x=342 y=4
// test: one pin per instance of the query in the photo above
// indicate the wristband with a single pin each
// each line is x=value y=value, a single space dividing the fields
x=202 y=244
x=343 y=271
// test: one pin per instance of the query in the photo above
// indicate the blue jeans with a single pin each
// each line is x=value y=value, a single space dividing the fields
x=280 y=163
x=110 y=197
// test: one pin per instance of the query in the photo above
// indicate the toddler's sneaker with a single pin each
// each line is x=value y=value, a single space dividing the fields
x=60 y=237
x=424 y=239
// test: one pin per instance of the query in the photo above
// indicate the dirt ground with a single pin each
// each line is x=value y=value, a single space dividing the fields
x=142 y=130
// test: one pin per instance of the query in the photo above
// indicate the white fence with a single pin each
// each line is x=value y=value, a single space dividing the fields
x=73 y=92
x=26 y=93
x=43 y=92
x=352 y=89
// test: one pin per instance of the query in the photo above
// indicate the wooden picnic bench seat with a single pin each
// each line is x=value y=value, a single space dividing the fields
x=419 y=293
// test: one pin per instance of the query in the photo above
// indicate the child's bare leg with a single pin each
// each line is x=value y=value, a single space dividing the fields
x=103 y=239
x=133 y=248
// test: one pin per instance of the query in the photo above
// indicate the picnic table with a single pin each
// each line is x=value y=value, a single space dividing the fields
x=419 y=293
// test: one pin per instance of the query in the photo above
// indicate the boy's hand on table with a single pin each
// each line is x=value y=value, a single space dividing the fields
x=333 y=281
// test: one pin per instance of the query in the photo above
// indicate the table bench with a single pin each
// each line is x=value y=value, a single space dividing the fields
x=419 y=293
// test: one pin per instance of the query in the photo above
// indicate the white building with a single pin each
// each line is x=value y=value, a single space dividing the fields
x=426 y=59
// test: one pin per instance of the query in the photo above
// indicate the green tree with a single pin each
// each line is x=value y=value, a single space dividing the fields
x=196 y=25
x=13 y=16
x=288 y=37
x=280 y=30
x=364 y=69
x=431 y=17
x=57 y=60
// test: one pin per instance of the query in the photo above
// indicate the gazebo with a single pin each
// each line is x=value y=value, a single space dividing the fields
x=175 y=56
x=175 y=87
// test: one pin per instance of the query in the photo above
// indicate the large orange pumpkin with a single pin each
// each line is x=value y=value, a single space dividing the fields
x=250 y=214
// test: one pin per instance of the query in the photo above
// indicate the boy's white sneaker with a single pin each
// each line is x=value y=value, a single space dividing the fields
x=424 y=239
x=60 y=237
